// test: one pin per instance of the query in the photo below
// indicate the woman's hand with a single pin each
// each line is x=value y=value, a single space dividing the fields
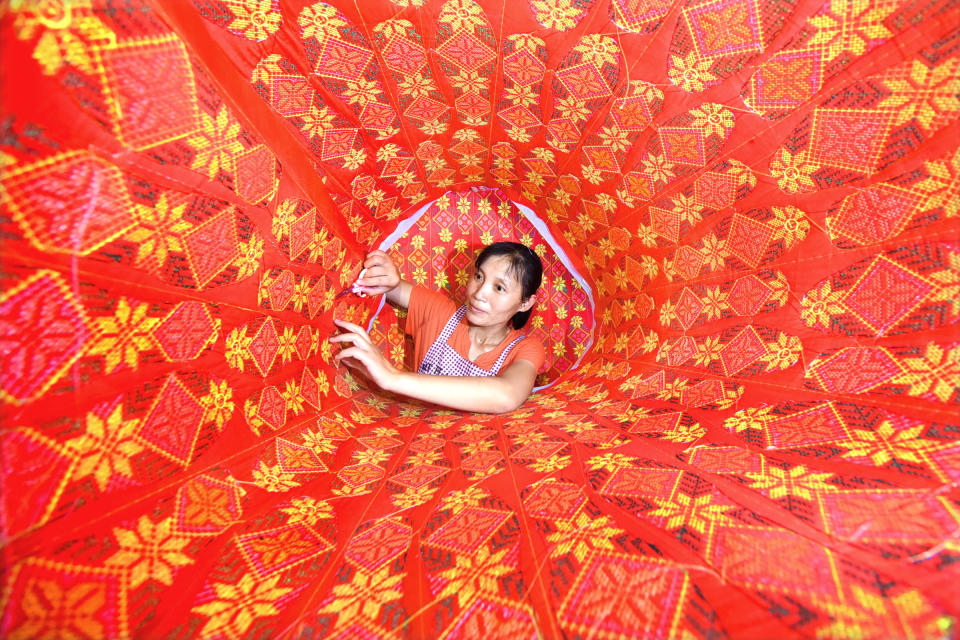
x=493 y=394
x=382 y=275
x=362 y=354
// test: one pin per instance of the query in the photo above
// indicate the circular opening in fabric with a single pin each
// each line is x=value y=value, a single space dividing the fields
x=436 y=247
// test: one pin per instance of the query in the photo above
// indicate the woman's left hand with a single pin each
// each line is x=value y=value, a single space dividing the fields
x=363 y=354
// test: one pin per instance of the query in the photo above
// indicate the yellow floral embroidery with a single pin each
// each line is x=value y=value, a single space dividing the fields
x=236 y=606
x=123 y=336
x=105 y=448
x=793 y=172
x=689 y=73
x=254 y=19
x=319 y=21
x=150 y=551
x=217 y=143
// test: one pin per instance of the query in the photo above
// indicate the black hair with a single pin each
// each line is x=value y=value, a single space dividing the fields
x=525 y=264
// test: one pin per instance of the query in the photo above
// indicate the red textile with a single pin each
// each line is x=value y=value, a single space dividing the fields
x=748 y=216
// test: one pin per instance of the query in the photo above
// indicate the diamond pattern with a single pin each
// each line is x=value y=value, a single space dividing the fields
x=43 y=330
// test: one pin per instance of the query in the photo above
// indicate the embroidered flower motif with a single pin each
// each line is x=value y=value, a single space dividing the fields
x=708 y=351
x=820 y=305
x=850 y=29
x=690 y=74
x=470 y=82
x=317 y=120
x=572 y=108
x=714 y=303
x=218 y=403
x=462 y=14
x=150 y=551
x=250 y=254
x=751 y=418
x=273 y=478
x=658 y=168
x=793 y=172
x=307 y=511
x=254 y=19
x=927 y=94
x=667 y=313
x=553 y=463
x=598 y=50
x=361 y=92
x=932 y=375
x=589 y=172
x=714 y=119
x=124 y=335
x=783 y=353
x=236 y=606
x=68 y=32
x=646 y=235
x=354 y=159
x=412 y=496
x=216 y=143
x=609 y=462
x=106 y=447
x=522 y=95
x=791 y=224
x=714 y=251
x=457 y=501
x=158 y=232
x=561 y=15
x=319 y=21
x=416 y=85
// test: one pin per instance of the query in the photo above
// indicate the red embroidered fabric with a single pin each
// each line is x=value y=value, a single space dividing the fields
x=749 y=215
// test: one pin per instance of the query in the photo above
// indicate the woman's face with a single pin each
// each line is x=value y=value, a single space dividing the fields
x=494 y=294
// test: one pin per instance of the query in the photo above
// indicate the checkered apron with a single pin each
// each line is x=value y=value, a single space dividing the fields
x=443 y=360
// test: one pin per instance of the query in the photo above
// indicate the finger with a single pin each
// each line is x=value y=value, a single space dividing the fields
x=372 y=277
x=373 y=291
x=350 y=363
x=375 y=258
x=346 y=353
x=356 y=340
x=345 y=337
x=366 y=273
x=353 y=358
x=377 y=270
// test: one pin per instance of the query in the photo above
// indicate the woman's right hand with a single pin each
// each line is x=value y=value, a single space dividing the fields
x=381 y=276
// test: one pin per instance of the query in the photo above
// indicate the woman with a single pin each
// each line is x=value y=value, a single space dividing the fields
x=471 y=358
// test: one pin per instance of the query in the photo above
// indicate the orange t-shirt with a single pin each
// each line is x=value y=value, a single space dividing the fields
x=429 y=312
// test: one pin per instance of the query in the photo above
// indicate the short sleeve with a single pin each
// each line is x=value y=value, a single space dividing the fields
x=426 y=307
x=427 y=313
x=530 y=349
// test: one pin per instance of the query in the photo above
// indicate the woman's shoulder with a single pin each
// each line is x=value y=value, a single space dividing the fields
x=428 y=307
x=530 y=348
x=424 y=297
x=528 y=338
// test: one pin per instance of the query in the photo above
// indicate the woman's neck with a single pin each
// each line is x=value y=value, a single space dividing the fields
x=488 y=336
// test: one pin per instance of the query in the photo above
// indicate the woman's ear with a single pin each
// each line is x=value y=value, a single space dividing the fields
x=527 y=304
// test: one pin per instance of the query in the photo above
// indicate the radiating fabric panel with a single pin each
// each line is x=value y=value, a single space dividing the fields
x=748 y=212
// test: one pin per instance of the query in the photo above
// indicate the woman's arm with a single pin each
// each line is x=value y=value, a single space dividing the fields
x=382 y=276
x=494 y=394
